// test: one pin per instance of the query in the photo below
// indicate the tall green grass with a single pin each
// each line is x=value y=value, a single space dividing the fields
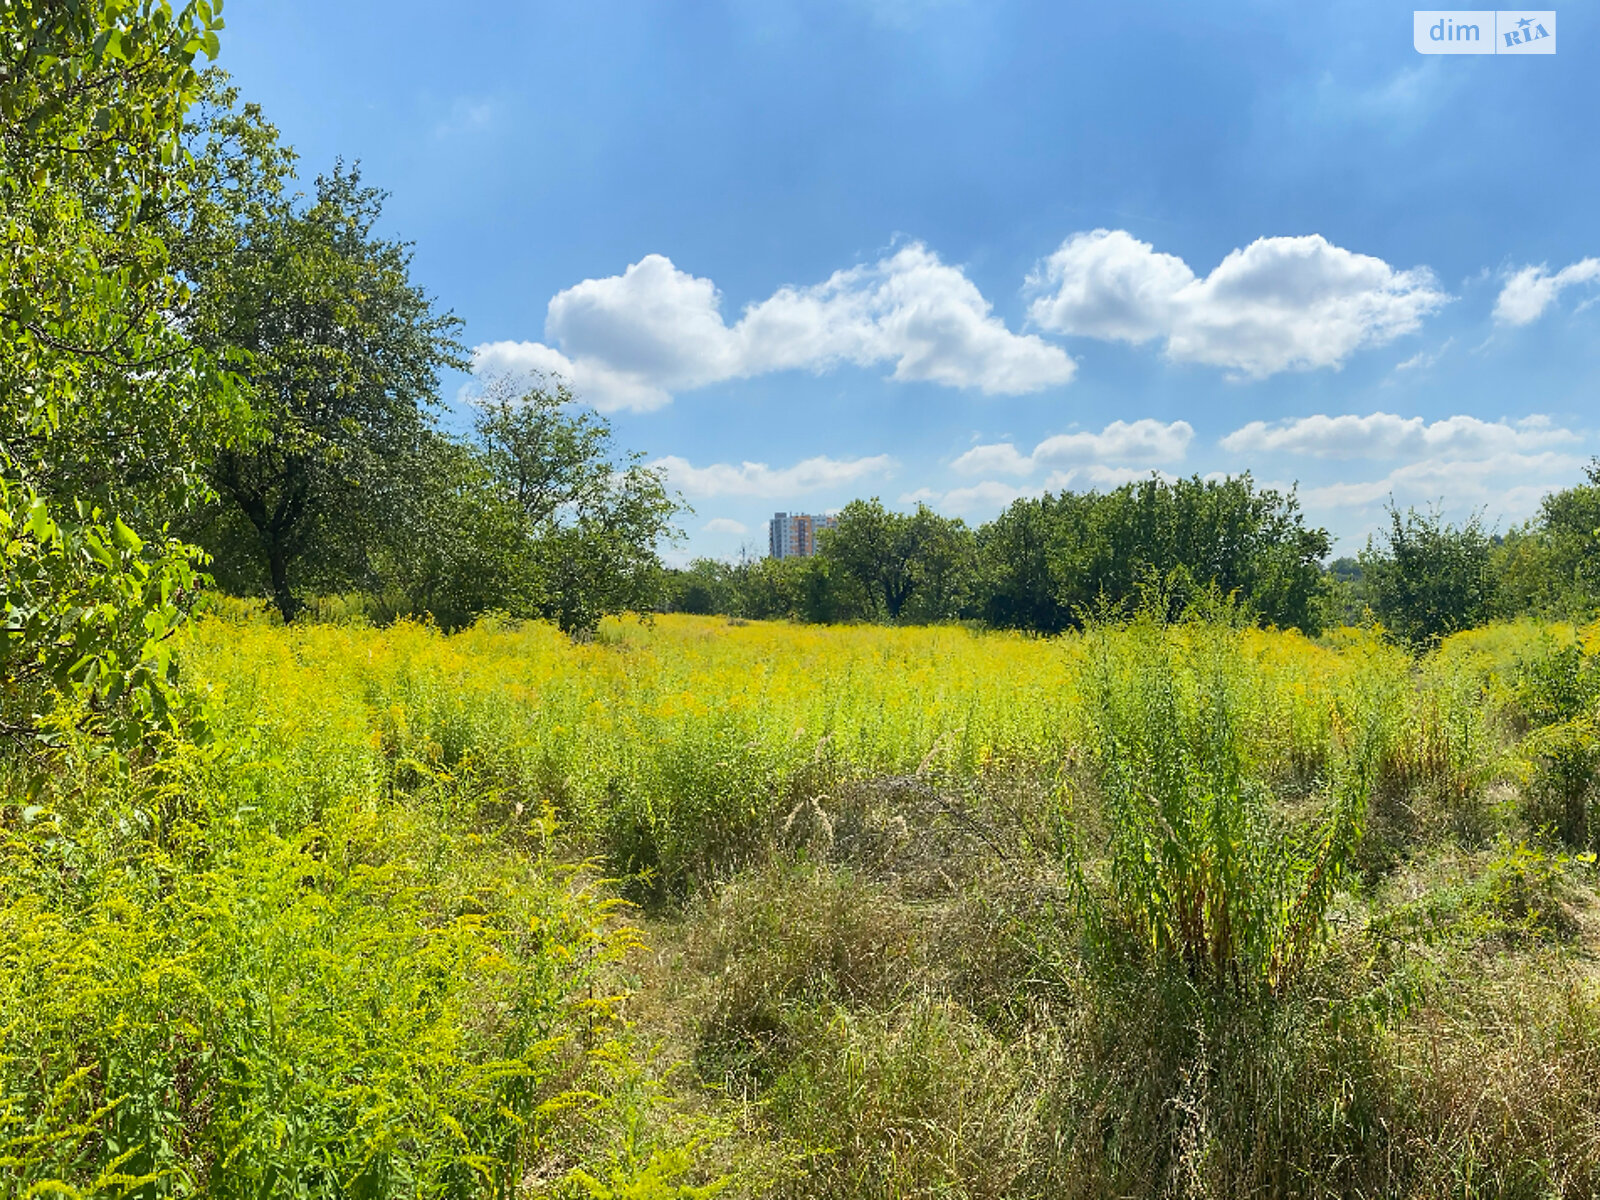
x=1201 y=868
x=260 y=968
x=1318 y=931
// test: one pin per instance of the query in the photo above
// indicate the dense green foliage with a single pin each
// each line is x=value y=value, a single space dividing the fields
x=341 y=353
x=534 y=516
x=105 y=406
x=194 y=353
x=1042 y=564
x=917 y=567
x=1551 y=565
x=1202 y=870
x=1423 y=578
x=1430 y=578
x=239 y=956
x=1046 y=561
x=90 y=613
x=350 y=487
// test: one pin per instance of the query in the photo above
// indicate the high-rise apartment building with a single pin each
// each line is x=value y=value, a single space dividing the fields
x=794 y=535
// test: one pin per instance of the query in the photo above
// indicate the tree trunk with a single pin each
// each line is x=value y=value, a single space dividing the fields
x=282 y=596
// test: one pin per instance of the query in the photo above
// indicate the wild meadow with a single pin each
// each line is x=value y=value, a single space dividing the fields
x=710 y=907
x=357 y=840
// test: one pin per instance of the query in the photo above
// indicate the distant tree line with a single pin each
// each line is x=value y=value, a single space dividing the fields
x=1046 y=563
x=1042 y=565
x=1424 y=578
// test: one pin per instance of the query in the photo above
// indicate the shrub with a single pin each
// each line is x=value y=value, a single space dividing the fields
x=1430 y=578
x=1202 y=871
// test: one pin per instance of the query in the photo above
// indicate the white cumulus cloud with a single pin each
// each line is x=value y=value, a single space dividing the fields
x=990 y=496
x=1500 y=468
x=1278 y=304
x=594 y=382
x=631 y=341
x=1386 y=435
x=978 y=500
x=725 y=525
x=998 y=458
x=1125 y=442
x=1099 y=477
x=1508 y=485
x=759 y=479
x=1532 y=290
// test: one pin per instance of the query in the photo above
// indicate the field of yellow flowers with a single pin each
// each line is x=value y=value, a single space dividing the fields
x=704 y=906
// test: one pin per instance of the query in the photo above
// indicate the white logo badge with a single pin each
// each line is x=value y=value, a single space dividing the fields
x=1484 y=31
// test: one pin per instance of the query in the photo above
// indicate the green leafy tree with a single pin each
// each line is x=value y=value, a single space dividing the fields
x=534 y=516
x=1551 y=566
x=1427 y=578
x=228 y=168
x=1017 y=582
x=456 y=550
x=1046 y=561
x=1344 y=596
x=770 y=588
x=343 y=355
x=944 y=565
x=591 y=523
x=706 y=585
x=916 y=566
x=98 y=378
x=1571 y=520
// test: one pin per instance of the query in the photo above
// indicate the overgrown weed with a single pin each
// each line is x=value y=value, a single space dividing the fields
x=1181 y=908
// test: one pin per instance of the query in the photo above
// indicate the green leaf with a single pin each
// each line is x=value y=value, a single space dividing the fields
x=125 y=538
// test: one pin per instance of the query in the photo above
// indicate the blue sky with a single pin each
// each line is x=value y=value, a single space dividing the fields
x=960 y=252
